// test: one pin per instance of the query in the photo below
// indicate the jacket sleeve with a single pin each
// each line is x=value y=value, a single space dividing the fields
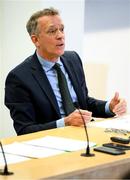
x=19 y=101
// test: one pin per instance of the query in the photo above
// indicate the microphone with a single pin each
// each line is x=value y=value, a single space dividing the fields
x=5 y=172
x=87 y=153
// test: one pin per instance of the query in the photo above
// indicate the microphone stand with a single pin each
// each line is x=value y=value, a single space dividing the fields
x=87 y=153
x=5 y=172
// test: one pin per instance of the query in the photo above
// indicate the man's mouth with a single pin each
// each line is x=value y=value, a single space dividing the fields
x=60 y=45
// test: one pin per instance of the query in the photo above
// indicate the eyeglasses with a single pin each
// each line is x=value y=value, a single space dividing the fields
x=119 y=131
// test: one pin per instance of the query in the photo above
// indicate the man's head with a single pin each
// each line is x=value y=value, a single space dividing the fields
x=46 y=30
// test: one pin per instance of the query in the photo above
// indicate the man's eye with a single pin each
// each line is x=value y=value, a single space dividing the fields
x=51 y=31
x=62 y=29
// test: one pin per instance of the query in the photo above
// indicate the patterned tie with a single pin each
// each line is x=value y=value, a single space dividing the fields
x=65 y=94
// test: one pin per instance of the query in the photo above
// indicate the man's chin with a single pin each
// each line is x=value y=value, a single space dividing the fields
x=60 y=53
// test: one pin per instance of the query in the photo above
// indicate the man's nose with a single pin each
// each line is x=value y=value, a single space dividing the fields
x=59 y=34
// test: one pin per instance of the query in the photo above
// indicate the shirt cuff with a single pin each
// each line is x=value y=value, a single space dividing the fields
x=60 y=123
x=107 y=109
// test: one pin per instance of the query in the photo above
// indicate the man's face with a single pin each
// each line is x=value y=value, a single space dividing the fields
x=50 y=41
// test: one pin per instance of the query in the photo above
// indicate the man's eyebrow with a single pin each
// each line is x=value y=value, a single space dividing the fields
x=53 y=26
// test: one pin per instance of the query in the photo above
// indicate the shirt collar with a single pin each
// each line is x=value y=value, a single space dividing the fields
x=47 y=65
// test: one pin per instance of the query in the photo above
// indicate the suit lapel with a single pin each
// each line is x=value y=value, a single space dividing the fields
x=43 y=82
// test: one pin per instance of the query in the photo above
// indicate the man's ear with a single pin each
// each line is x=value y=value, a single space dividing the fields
x=34 y=39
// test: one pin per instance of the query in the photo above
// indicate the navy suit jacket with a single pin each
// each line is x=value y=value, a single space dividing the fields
x=31 y=100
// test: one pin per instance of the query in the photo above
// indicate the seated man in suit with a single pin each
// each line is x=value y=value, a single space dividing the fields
x=33 y=89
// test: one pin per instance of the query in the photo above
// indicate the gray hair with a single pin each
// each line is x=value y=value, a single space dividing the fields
x=32 y=24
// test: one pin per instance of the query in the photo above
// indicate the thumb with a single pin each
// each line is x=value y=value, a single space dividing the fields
x=114 y=101
x=116 y=96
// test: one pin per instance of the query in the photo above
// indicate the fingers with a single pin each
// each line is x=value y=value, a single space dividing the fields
x=78 y=117
x=86 y=115
x=84 y=112
x=120 y=108
x=121 y=104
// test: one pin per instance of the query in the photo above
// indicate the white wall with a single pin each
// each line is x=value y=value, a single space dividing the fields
x=107 y=40
x=15 y=44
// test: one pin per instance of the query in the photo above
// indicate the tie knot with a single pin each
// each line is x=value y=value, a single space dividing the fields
x=56 y=66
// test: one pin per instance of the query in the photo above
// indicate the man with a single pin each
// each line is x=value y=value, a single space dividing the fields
x=32 y=89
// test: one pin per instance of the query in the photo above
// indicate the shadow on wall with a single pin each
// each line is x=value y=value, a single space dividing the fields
x=96 y=79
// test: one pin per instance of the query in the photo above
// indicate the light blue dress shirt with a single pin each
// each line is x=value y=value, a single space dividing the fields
x=52 y=77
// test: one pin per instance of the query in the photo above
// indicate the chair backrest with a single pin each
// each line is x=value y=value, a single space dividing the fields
x=96 y=79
